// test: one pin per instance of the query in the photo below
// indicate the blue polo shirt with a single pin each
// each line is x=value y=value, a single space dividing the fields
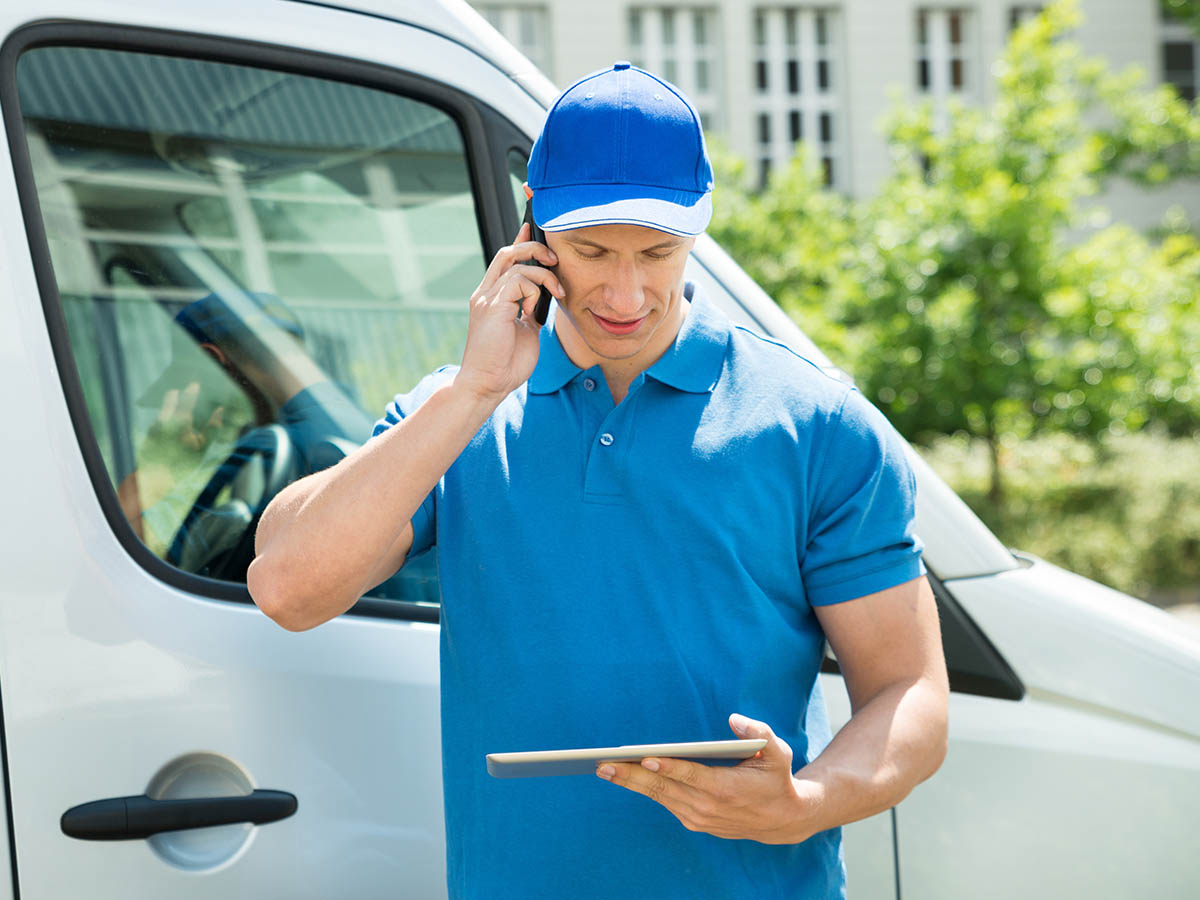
x=635 y=573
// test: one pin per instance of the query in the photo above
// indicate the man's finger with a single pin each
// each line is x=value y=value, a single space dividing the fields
x=528 y=307
x=169 y=405
x=540 y=276
x=519 y=251
x=674 y=795
x=525 y=293
x=187 y=403
x=504 y=259
x=534 y=250
x=518 y=288
x=682 y=770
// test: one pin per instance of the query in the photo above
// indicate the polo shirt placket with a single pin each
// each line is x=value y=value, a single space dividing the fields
x=691 y=364
x=608 y=450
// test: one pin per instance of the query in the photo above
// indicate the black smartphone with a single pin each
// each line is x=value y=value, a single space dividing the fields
x=542 y=308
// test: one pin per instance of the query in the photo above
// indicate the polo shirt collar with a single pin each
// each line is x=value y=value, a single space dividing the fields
x=554 y=368
x=692 y=363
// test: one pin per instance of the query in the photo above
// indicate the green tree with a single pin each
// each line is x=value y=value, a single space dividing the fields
x=799 y=241
x=954 y=296
x=1184 y=10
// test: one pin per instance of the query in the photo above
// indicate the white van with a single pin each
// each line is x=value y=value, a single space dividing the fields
x=231 y=232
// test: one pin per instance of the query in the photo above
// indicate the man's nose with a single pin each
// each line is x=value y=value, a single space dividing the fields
x=625 y=294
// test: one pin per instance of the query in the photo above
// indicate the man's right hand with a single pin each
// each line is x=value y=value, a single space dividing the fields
x=502 y=349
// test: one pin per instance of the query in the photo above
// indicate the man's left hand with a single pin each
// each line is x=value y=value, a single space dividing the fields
x=758 y=799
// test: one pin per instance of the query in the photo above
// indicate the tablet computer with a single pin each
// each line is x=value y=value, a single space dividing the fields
x=533 y=763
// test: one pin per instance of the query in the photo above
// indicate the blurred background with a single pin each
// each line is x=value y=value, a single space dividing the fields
x=987 y=213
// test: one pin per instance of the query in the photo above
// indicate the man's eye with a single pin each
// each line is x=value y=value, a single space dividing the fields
x=666 y=255
x=591 y=255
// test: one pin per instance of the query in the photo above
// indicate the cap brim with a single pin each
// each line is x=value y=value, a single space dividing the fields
x=581 y=205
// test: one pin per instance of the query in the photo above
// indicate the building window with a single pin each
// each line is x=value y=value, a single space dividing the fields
x=679 y=43
x=1180 y=51
x=795 y=64
x=527 y=27
x=1022 y=13
x=945 y=56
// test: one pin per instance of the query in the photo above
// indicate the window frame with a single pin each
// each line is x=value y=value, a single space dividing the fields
x=798 y=88
x=1174 y=31
x=678 y=61
x=483 y=129
x=936 y=55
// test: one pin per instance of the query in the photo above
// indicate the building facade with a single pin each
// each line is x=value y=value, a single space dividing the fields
x=764 y=75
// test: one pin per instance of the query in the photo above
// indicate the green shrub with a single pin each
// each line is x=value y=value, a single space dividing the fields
x=1124 y=511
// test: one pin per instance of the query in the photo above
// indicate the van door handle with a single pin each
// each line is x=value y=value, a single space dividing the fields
x=131 y=818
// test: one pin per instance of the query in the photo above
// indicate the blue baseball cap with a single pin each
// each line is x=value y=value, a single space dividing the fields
x=622 y=146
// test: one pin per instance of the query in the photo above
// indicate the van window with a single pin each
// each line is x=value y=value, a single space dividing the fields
x=251 y=263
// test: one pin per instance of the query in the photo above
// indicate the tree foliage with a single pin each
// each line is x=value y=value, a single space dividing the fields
x=1187 y=11
x=1124 y=510
x=961 y=296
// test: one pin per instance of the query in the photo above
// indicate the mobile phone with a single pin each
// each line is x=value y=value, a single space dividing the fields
x=542 y=308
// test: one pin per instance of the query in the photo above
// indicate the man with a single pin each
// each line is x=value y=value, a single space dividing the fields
x=648 y=521
x=237 y=363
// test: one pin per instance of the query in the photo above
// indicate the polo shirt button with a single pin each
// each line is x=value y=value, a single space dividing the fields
x=606 y=439
x=589 y=384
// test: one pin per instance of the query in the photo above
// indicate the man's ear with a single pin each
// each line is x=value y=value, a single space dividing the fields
x=216 y=353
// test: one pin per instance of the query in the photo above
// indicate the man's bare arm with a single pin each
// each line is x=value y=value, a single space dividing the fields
x=328 y=538
x=888 y=646
x=325 y=540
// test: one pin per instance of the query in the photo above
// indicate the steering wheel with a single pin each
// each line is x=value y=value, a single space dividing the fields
x=218 y=541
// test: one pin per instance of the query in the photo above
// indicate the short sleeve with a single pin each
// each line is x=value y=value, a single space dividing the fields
x=860 y=535
x=424 y=520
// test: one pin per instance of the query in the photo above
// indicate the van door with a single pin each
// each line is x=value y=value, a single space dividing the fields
x=233 y=255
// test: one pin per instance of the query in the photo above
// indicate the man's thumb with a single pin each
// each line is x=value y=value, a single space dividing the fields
x=752 y=729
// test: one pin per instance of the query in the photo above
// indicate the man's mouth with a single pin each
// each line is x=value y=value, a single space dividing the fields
x=612 y=326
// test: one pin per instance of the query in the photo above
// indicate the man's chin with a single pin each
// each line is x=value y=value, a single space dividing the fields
x=608 y=346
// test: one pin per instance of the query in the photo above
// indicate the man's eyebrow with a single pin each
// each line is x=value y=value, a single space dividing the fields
x=661 y=245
